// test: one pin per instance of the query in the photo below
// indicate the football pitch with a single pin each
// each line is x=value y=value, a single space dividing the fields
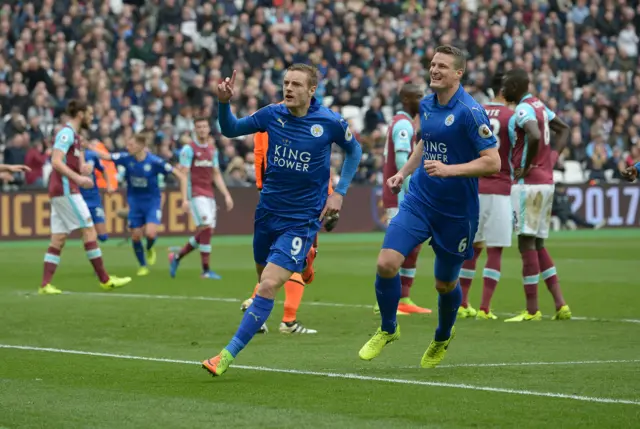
x=130 y=358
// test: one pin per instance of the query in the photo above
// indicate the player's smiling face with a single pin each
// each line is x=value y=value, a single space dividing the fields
x=296 y=89
x=443 y=72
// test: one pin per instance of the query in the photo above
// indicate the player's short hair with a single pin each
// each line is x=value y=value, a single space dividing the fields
x=310 y=71
x=200 y=119
x=459 y=58
x=496 y=83
x=76 y=106
x=519 y=78
x=140 y=139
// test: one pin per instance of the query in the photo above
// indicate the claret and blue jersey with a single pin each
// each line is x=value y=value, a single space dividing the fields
x=143 y=191
x=296 y=178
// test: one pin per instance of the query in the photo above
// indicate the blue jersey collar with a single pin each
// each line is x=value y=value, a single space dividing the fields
x=453 y=100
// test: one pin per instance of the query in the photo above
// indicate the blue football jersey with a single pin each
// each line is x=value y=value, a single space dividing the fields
x=92 y=196
x=298 y=157
x=453 y=134
x=142 y=176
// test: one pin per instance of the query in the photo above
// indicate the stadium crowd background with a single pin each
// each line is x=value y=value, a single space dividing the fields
x=151 y=67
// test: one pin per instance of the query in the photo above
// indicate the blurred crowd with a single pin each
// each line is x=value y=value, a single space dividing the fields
x=151 y=66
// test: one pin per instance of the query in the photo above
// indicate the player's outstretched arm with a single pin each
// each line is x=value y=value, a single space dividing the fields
x=13 y=168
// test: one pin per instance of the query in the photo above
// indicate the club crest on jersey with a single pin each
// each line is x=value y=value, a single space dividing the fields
x=348 y=135
x=147 y=167
x=449 y=120
x=403 y=134
x=484 y=131
x=317 y=130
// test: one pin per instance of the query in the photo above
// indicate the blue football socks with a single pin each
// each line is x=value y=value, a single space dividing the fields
x=388 y=293
x=448 y=304
x=139 y=251
x=257 y=314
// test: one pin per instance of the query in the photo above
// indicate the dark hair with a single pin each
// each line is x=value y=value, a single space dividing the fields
x=496 y=83
x=519 y=78
x=200 y=119
x=76 y=106
x=310 y=71
x=459 y=58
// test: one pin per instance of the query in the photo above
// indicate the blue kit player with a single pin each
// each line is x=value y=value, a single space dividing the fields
x=441 y=204
x=293 y=199
x=143 y=195
x=92 y=195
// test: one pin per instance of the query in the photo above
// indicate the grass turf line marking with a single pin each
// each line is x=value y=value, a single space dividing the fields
x=341 y=375
x=312 y=303
x=505 y=364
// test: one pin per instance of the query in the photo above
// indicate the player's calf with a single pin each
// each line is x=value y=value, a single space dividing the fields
x=51 y=262
x=467 y=273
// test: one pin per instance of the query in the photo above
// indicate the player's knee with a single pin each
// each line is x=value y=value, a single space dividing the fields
x=136 y=234
x=526 y=243
x=58 y=241
x=89 y=234
x=445 y=287
x=539 y=243
x=388 y=264
x=268 y=287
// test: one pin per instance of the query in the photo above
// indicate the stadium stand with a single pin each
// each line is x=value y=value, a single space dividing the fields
x=151 y=66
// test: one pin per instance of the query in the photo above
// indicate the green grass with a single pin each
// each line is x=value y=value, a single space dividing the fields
x=188 y=319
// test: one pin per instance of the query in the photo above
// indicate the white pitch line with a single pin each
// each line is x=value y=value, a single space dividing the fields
x=312 y=303
x=342 y=375
x=506 y=364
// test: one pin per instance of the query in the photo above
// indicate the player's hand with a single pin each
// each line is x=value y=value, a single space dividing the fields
x=185 y=206
x=225 y=89
x=85 y=182
x=86 y=169
x=110 y=189
x=228 y=202
x=333 y=205
x=437 y=168
x=395 y=183
x=520 y=173
x=630 y=174
x=17 y=168
x=330 y=222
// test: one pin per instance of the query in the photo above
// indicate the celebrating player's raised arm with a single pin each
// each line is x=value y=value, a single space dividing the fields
x=229 y=124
